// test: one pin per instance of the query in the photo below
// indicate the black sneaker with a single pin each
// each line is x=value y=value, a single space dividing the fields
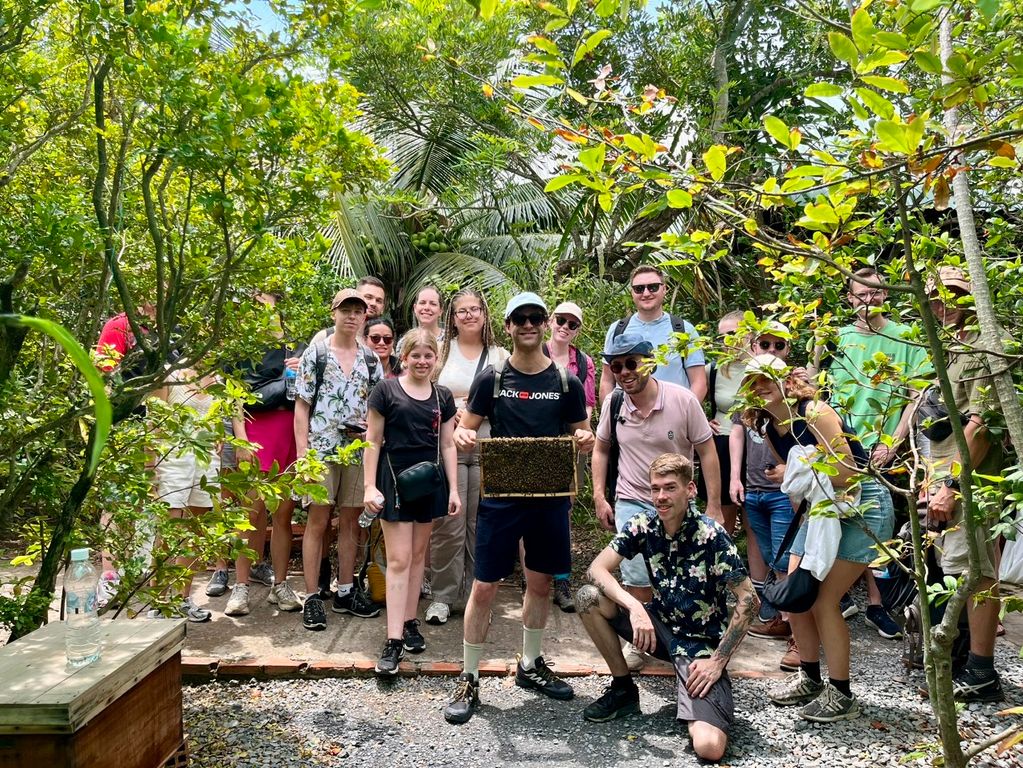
x=467 y=697
x=355 y=603
x=615 y=703
x=411 y=638
x=878 y=618
x=563 y=595
x=971 y=685
x=323 y=582
x=314 y=616
x=541 y=678
x=390 y=658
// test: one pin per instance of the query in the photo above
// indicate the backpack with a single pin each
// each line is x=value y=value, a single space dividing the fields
x=321 y=367
x=580 y=363
x=611 y=483
x=678 y=325
x=499 y=380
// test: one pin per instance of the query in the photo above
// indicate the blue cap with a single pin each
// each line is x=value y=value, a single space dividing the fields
x=629 y=344
x=526 y=299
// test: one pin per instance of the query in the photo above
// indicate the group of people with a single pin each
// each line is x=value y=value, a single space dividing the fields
x=422 y=403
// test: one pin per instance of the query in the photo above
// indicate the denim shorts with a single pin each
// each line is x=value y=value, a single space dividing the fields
x=857 y=546
x=634 y=572
x=769 y=514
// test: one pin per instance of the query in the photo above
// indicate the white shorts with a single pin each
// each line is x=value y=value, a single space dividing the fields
x=178 y=481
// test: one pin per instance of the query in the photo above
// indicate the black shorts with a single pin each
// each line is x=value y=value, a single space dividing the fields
x=716 y=708
x=542 y=526
x=725 y=467
x=422 y=510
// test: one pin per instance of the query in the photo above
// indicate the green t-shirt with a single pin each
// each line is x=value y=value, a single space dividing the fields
x=872 y=399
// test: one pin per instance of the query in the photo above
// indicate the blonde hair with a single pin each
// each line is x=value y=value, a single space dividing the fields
x=417 y=337
x=794 y=388
x=673 y=464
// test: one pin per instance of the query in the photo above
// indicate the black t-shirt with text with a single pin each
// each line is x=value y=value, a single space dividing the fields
x=411 y=427
x=529 y=404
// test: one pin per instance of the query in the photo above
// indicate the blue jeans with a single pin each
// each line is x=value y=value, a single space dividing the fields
x=634 y=572
x=769 y=514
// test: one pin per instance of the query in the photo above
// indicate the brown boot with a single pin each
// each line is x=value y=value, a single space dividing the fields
x=790 y=661
x=775 y=629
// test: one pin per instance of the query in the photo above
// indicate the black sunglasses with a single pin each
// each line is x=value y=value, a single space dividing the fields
x=766 y=345
x=648 y=287
x=630 y=364
x=533 y=318
x=573 y=325
x=376 y=338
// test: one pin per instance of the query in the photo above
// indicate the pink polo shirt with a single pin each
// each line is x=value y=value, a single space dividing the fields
x=675 y=424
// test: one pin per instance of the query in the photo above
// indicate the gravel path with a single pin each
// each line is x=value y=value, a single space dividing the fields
x=371 y=724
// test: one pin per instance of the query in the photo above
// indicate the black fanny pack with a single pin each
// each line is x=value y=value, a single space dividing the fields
x=932 y=416
x=797 y=592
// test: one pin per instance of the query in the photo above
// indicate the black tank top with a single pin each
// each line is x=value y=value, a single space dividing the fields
x=800 y=434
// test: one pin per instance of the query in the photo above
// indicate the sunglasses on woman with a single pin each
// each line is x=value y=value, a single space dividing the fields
x=377 y=338
x=765 y=346
x=533 y=318
x=573 y=325
x=630 y=364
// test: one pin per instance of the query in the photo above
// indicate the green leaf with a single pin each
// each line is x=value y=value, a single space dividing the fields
x=570 y=6
x=714 y=159
x=530 y=81
x=843 y=48
x=679 y=198
x=555 y=24
x=545 y=44
x=877 y=103
x=487 y=8
x=589 y=45
x=592 y=159
x=822 y=90
x=777 y=130
x=988 y=7
x=1001 y=162
x=892 y=84
x=606 y=8
x=891 y=40
x=564 y=180
x=922 y=6
x=928 y=62
x=577 y=96
x=863 y=29
x=880 y=59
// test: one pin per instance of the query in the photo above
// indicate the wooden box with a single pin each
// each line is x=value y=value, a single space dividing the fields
x=123 y=710
x=528 y=467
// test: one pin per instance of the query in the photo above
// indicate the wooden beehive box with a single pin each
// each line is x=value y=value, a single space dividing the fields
x=528 y=467
x=123 y=710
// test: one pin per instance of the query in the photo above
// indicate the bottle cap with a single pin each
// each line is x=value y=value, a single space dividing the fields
x=77 y=555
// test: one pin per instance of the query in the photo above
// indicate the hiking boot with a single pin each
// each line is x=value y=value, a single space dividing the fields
x=438 y=613
x=974 y=685
x=775 y=629
x=830 y=706
x=263 y=573
x=194 y=613
x=284 y=597
x=355 y=603
x=390 y=658
x=848 y=607
x=541 y=678
x=314 y=616
x=878 y=618
x=412 y=639
x=615 y=703
x=467 y=697
x=790 y=661
x=238 y=605
x=635 y=659
x=217 y=584
x=563 y=595
x=795 y=689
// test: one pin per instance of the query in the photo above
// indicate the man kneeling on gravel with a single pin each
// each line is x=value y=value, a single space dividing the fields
x=691 y=562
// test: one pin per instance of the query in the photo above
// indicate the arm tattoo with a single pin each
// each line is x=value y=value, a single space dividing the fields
x=746 y=607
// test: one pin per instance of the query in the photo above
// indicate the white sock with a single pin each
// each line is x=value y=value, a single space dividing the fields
x=531 y=642
x=471 y=654
x=343 y=590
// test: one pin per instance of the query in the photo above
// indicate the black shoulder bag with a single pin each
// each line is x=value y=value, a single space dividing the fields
x=420 y=479
x=797 y=592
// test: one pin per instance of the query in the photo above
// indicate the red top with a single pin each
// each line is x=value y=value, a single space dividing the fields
x=115 y=340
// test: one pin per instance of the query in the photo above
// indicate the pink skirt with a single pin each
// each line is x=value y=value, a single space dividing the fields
x=274 y=432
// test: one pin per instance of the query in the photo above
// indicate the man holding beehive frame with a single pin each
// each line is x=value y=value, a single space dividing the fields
x=528 y=396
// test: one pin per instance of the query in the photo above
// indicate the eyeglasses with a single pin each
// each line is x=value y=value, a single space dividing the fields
x=533 y=318
x=377 y=338
x=467 y=312
x=629 y=364
x=648 y=287
x=573 y=325
x=765 y=346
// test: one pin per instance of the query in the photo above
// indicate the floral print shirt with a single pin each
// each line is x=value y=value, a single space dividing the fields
x=690 y=574
x=342 y=398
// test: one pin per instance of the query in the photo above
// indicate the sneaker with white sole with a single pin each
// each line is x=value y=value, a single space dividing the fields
x=194 y=613
x=438 y=613
x=831 y=706
x=238 y=604
x=217 y=584
x=878 y=618
x=284 y=597
x=848 y=607
x=262 y=573
x=542 y=678
x=795 y=689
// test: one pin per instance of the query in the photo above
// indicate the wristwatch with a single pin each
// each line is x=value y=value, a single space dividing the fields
x=951 y=482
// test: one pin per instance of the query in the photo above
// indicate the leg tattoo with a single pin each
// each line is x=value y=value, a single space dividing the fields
x=586 y=598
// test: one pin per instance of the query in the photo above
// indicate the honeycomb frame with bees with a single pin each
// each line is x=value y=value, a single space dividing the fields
x=531 y=467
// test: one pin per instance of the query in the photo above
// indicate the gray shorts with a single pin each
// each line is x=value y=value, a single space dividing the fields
x=717 y=708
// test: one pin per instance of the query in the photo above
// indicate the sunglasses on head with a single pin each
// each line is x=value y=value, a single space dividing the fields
x=379 y=338
x=648 y=287
x=630 y=364
x=573 y=325
x=766 y=345
x=533 y=318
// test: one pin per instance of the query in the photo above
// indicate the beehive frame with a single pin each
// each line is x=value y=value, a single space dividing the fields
x=552 y=459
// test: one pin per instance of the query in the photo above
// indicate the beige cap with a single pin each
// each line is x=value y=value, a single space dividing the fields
x=776 y=328
x=765 y=365
x=347 y=294
x=950 y=277
x=569 y=308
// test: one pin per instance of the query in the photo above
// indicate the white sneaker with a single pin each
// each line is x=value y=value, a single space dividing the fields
x=238 y=605
x=635 y=659
x=284 y=597
x=438 y=613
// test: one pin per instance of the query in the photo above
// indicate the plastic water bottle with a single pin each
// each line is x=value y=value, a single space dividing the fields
x=290 y=383
x=82 y=638
x=368 y=515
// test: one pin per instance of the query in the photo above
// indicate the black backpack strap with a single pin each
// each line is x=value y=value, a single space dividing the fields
x=620 y=327
x=678 y=324
x=580 y=365
x=498 y=374
x=712 y=382
x=482 y=362
x=617 y=400
x=563 y=375
x=321 y=368
x=545 y=349
x=371 y=361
